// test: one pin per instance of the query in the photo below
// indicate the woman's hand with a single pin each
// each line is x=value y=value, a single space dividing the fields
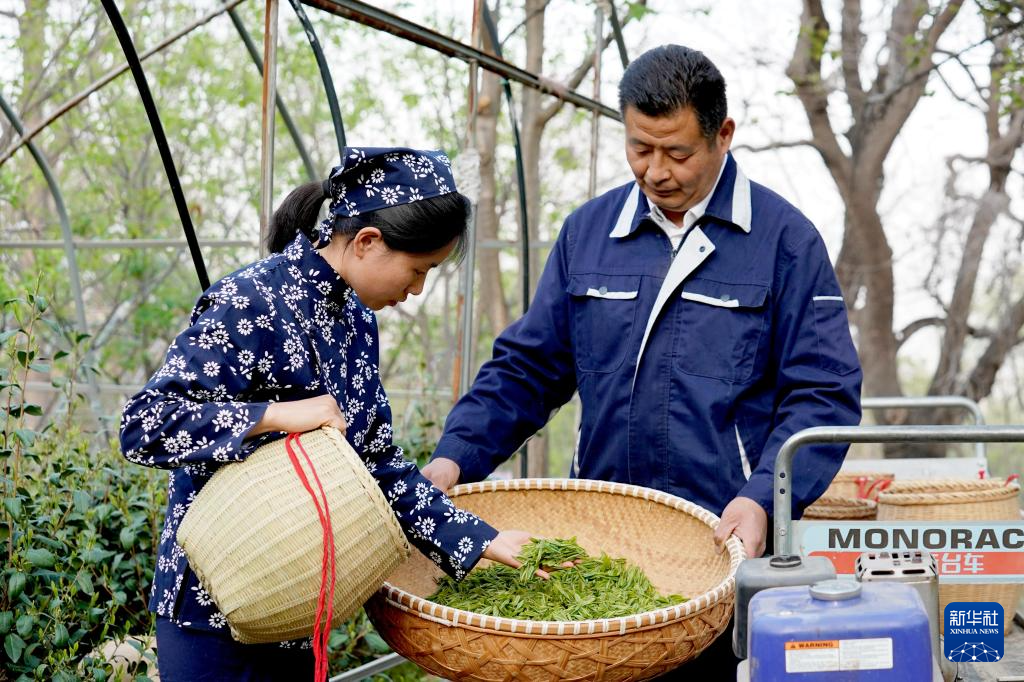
x=507 y=545
x=299 y=416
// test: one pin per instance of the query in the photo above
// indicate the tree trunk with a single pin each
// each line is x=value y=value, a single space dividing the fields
x=532 y=124
x=492 y=305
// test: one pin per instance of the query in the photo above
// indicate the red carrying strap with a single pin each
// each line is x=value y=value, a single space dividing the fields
x=325 y=600
x=877 y=486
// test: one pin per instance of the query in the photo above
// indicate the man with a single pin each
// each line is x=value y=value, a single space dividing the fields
x=696 y=313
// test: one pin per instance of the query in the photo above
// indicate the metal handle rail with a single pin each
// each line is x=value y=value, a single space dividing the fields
x=867 y=434
x=923 y=402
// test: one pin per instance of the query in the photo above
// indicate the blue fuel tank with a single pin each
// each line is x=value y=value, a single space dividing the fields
x=839 y=630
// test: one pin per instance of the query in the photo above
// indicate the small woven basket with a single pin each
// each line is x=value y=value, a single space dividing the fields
x=254 y=539
x=668 y=537
x=834 y=507
x=958 y=500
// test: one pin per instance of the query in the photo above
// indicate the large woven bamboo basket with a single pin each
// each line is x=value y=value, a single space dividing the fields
x=254 y=538
x=670 y=538
x=835 y=507
x=958 y=500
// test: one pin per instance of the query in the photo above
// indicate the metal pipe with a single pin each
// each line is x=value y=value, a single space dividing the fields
x=122 y=243
x=47 y=387
x=617 y=29
x=286 y=116
x=325 y=75
x=67 y=242
x=466 y=302
x=466 y=360
x=595 y=120
x=509 y=244
x=917 y=402
x=370 y=669
x=161 y=139
x=390 y=23
x=866 y=434
x=474 y=73
x=109 y=76
x=130 y=389
x=267 y=131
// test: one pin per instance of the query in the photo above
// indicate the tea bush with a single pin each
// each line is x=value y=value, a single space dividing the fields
x=78 y=522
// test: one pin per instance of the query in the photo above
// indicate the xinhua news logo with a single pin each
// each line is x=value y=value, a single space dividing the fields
x=974 y=632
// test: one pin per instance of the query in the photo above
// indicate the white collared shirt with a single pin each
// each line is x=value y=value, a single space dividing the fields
x=675 y=232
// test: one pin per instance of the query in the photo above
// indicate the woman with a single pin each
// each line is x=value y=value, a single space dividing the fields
x=289 y=344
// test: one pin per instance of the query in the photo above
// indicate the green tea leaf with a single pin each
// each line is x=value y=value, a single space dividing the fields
x=14 y=645
x=597 y=587
x=25 y=436
x=40 y=558
x=84 y=582
x=377 y=644
x=24 y=625
x=13 y=506
x=15 y=585
x=60 y=636
x=127 y=537
x=95 y=555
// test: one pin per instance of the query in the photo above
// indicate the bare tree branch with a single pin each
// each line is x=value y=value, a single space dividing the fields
x=775 y=145
x=904 y=334
x=1007 y=336
x=917 y=325
x=853 y=43
x=955 y=94
x=530 y=15
x=940 y=25
x=958 y=58
x=805 y=71
x=580 y=72
x=880 y=96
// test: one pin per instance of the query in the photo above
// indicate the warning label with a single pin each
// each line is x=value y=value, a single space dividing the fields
x=824 y=644
x=839 y=654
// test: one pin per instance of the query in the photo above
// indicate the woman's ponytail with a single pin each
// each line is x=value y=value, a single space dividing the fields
x=297 y=213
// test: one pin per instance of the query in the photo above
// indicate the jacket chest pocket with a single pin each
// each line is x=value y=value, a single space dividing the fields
x=722 y=325
x=603 y=317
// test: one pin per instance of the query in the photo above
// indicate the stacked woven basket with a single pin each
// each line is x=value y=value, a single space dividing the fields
x=850 y=496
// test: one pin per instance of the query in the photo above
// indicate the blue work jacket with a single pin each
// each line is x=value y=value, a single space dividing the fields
x=284 y=328
x=693 y=368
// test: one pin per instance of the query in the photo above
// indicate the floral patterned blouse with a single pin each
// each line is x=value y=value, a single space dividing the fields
x=284 y=328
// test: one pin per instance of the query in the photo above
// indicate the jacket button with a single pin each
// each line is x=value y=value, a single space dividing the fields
x=725 y=297
x=603 y=290
x=702 y=249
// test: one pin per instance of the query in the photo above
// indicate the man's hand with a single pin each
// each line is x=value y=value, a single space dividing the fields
x=442 y=472
x=748 y=521
x=299 y=416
